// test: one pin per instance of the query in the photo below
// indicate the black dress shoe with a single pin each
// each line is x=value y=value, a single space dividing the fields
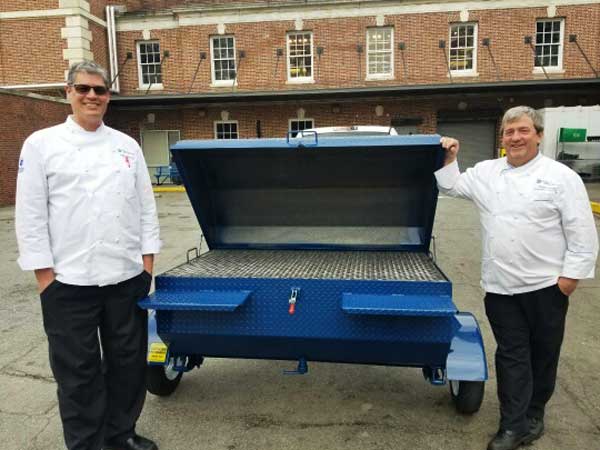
x=507 y=440
x=536 y=429
x=136 y=442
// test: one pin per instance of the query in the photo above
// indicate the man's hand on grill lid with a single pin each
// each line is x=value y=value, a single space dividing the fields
x=451 y=146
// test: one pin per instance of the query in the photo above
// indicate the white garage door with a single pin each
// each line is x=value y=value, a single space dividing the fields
x=477 y=140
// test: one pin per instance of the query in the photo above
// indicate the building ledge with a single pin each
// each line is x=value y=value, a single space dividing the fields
x=175 y=100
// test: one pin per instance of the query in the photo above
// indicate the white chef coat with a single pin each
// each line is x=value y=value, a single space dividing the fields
x=536 y=222
x=84 y=205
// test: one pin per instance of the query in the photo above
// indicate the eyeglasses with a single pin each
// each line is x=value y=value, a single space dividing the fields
x=83 y=89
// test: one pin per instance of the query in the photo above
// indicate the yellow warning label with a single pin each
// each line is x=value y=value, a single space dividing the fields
x=157 y=353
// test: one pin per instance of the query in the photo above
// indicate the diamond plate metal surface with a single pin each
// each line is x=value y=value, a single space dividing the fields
x=319 y=329
x=311 y=264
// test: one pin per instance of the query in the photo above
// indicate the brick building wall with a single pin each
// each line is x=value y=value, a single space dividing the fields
x=340 y=65
x=156 y=5
x=31 y=51
x=99 y=44
x=28 y=114
x=27 y=5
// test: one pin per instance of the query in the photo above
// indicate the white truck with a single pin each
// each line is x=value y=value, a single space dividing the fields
x=572 y=136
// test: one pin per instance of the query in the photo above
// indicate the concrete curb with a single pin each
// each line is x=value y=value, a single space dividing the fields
x=168 y=189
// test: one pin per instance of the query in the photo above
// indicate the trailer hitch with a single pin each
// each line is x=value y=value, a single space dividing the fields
x=300 y=370
x=435 y=375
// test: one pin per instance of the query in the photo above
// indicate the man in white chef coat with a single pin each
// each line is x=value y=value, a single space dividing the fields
x=539 y=240
x=87 y=225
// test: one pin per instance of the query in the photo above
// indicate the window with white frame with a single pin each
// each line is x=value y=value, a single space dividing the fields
x=223 y=60
x=300 y=56
x=226 y=129
x=380 y=55
x=299 y=125
x=462 y=54
x=149 y=69
x=549 y=43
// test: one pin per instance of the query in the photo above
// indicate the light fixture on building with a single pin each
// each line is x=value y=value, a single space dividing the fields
x=462 y=106
x=379 y=110
x=279 y=52
x=320 y=51
x=401 y=46
x=201 y=112
x=150 y=117
x=359 y=48
x=335 y=109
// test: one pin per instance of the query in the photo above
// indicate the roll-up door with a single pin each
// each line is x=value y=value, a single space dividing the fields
x=477 y=140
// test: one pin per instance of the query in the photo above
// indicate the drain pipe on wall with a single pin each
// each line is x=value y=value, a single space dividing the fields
x=113 y=60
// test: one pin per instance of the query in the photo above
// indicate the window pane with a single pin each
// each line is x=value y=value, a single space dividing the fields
x=300 y=55
x=223 y=58
x=548 y=43
x=149 y=62
x=379 y=51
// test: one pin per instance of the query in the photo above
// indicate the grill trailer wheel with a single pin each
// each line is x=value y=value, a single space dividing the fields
x=162 y=380
x=467 y=395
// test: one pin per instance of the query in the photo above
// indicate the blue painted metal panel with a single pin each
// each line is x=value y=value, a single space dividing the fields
x=200 y=300
x=268 y=193
x=398 y=305
x=330 y=141
x=466 y=358
x=243 y=191
x=319 y=329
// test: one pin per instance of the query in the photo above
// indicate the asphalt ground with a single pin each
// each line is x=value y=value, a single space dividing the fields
x=248 y=404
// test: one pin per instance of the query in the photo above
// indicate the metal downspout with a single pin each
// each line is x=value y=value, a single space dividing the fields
x=112 y=48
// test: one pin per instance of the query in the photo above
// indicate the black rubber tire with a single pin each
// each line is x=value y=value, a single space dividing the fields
x=158 y=383
x=467 y=396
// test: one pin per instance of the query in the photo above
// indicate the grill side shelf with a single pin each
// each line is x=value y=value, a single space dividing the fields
x=398 y=305
x=198 y=300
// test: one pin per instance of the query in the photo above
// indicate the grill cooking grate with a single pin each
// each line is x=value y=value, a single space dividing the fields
x=309 y=264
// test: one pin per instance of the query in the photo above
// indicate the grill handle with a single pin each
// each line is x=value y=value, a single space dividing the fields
x=300 y=141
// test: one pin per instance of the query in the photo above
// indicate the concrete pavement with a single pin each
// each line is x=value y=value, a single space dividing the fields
x=239 y=405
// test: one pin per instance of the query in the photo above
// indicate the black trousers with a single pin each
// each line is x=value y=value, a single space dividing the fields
x=101 y=390
x=529 y=330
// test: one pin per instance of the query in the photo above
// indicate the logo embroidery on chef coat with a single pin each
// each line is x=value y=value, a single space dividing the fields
x=127 y=156
x=545 y=185
x=21 y=165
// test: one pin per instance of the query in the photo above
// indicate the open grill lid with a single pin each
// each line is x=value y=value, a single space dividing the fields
x=331 y=193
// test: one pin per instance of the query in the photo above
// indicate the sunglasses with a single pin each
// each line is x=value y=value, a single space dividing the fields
x=83 y=89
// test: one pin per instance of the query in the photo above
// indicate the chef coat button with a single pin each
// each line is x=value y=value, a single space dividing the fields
x=117 y=240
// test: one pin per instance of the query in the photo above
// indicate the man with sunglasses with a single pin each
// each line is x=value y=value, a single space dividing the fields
x=87 y=225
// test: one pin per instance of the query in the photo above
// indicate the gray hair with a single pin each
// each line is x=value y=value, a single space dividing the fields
x=89 y=67
x=519 y=111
